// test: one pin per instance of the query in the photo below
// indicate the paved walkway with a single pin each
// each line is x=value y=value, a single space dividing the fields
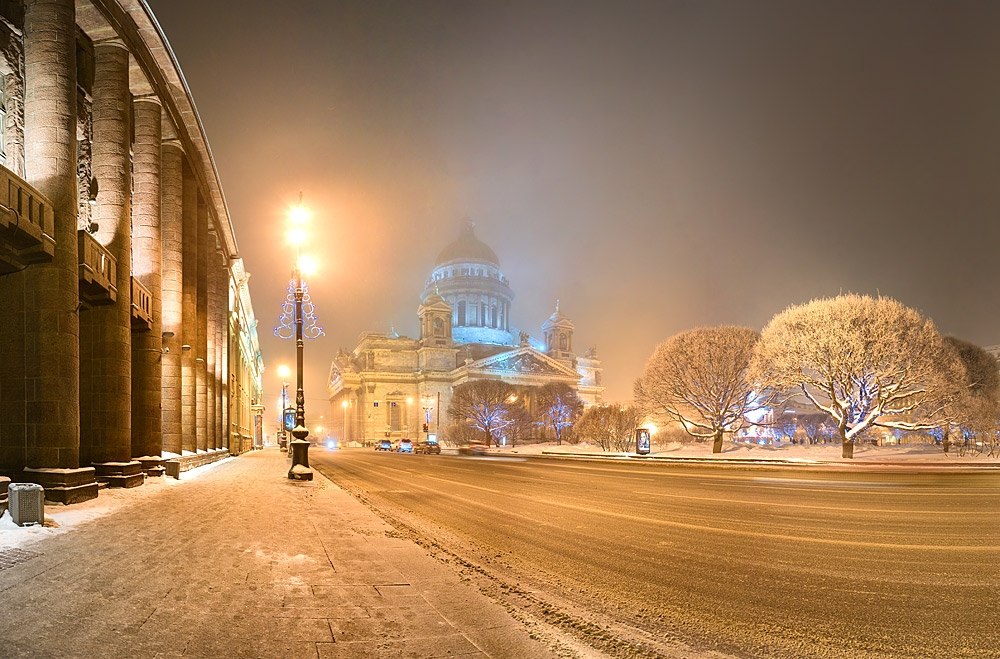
x=241 y=562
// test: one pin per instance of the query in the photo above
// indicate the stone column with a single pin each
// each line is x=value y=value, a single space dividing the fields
x=201 y=347
x=189 y=419
x=46 y=403
x=172 y=283
x=105 y=331
x=147 y=264
x=221 y=337
x=226 y=358
x=212 y=318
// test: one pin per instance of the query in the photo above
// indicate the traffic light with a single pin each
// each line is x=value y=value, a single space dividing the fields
x=426 y=429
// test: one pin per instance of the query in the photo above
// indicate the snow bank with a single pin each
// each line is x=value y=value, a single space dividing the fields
x=790 y=452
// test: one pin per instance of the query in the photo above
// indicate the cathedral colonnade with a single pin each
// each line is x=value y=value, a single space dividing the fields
x=128 y=338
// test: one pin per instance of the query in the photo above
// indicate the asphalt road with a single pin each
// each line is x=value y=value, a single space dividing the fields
x=633 y=559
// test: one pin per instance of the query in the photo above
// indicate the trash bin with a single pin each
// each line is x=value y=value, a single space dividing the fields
x=27 y=503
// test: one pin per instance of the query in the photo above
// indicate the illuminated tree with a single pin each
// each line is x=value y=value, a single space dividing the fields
x=865 y=362
x=817 y=426
x=559 y=407
x=784 y=428
x=612 y=427
x=482 y=404
x=699 y=378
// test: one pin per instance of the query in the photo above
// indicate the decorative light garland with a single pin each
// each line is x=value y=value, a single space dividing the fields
x=286 y=321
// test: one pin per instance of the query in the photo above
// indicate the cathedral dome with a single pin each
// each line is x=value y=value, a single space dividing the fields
x=468 y=279
x=467 y=249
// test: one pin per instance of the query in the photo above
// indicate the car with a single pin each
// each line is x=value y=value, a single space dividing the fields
x=429 y=446
x=472 y=449
x=405 y=446
x=384 y=445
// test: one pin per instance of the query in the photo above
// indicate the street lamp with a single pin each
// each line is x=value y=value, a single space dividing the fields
x=428 y=404
x=283 y=373
x=298 y=319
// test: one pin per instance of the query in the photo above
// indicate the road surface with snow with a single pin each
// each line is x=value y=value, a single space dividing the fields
x=655 y=559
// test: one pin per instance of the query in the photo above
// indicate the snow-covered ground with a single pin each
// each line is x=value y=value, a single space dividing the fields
x=60 y=519
x=789 y=452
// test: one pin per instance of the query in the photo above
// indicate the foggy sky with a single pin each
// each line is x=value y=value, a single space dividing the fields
x=655 y=165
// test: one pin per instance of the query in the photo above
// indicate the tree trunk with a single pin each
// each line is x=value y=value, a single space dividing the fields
x=489 y=438
x=717 y=443
x=848 y=448
x=946 y=440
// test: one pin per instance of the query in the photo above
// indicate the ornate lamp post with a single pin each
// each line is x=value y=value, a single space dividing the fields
x=298 y=319
x=283 y=373
x=428 y=404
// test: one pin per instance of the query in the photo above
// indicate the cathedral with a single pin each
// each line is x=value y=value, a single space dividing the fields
x=395 y=386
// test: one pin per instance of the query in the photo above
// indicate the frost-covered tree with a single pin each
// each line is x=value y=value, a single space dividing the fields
x=559 y=407
x=612 y=427
x=863 y=361
x=461 y=434
x=699 y=378
x=519 y=422
x=973 y=413
x=482 y=404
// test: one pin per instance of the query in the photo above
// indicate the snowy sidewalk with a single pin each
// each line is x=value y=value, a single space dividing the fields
x=239 y=562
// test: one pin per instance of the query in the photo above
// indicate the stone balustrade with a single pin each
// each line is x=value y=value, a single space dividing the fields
x=98 y=270
x=26 y=224
x=142 y=307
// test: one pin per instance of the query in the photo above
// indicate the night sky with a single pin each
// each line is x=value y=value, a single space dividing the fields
x=655 y=165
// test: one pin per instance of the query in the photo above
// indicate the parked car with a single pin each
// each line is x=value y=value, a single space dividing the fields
x=428 y=446
x=405 y=446
x=383 y=445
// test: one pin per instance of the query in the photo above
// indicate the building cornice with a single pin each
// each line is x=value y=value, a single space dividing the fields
x=134 y=22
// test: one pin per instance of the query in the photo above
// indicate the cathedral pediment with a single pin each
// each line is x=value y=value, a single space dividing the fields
x=524 y=361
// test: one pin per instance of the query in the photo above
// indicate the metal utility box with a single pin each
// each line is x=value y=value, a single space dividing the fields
x=27 y=503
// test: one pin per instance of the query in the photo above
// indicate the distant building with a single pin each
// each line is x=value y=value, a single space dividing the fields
x=390 y=385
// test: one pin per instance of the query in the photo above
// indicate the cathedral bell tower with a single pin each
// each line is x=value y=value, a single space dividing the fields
x=558 y=333
x=435 y=321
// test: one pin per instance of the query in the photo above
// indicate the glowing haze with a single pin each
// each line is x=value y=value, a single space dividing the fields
x=655 y=165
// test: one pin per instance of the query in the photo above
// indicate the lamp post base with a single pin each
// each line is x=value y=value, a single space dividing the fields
x=300 y=470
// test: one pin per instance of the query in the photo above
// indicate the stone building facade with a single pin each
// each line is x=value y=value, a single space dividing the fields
x=391 y=385
x=127 y=335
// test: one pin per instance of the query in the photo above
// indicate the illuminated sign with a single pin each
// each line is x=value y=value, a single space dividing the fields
x=642 y=441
